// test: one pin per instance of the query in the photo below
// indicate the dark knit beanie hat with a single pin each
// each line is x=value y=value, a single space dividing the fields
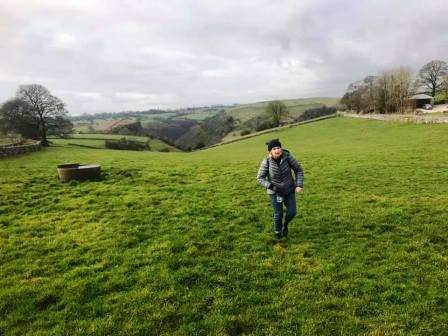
x=273 y=143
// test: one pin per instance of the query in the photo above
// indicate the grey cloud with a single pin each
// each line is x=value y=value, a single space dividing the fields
x=113 y=55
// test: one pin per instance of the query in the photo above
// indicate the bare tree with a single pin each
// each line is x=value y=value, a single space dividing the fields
x=370 y=82
x=47 y=110
x=387 y=93
x=444 y=87
x=277 y=110
x=402 y=89
x=431 y=75
x=383 y=92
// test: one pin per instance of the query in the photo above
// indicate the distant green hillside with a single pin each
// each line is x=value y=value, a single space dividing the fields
x=242 y=112
x=295 y=107
x=193 y=128
x=182 y=243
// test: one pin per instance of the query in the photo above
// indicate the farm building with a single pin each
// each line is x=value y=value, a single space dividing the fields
x=419 y=100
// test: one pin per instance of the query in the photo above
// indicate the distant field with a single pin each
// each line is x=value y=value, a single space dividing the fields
x=98 y=141
x=182 y=243
x=98 y=124
x=156 y=116
x=197 y=116
x=107 y=126
x=295 y=107
x=79 y=142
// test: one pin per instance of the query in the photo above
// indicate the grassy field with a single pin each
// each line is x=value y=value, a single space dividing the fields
x=437 y=114
x=99 y=141
x=198 y=116
x=295 y=107
x=100 y=125
x=182 y=243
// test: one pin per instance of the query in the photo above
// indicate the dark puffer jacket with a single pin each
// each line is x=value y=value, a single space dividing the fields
x=277 y=178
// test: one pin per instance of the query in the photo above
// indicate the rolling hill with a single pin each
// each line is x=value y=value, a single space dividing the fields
x=194 y=128
x=295 y=107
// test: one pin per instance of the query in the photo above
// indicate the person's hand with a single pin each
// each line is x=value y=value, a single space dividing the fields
x=299 y=190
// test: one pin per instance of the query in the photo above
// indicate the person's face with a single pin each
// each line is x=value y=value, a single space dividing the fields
x=276 y=152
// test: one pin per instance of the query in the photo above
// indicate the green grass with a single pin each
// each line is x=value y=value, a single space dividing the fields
x=437 y=114
x=295 y=107
x=181 y=243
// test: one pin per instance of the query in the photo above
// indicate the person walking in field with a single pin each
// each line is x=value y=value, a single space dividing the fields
x=275 y=175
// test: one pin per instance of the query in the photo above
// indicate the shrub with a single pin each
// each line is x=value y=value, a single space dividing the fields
x=200 y=145
x=245 y=132
x=264 y=125
x=126 y=144
x=316 y=113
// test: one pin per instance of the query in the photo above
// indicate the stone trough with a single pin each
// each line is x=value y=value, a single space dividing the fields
x=76 y=171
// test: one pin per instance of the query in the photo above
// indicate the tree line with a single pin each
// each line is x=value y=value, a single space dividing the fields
x=391 y=91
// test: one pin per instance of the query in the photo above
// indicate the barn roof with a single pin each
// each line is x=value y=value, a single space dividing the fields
x=421 y=96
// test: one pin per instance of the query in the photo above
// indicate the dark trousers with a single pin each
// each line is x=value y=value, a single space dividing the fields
x=290 y=203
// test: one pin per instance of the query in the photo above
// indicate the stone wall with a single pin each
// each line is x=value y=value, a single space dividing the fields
x=17 y=148
x=419 y=119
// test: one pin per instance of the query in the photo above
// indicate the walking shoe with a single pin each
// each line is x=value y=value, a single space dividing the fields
x=285 y=230
x=278 y=235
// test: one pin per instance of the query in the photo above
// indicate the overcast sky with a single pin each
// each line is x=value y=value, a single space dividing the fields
x=112 y=55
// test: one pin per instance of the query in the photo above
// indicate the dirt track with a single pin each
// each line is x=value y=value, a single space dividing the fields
x=436 y=108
